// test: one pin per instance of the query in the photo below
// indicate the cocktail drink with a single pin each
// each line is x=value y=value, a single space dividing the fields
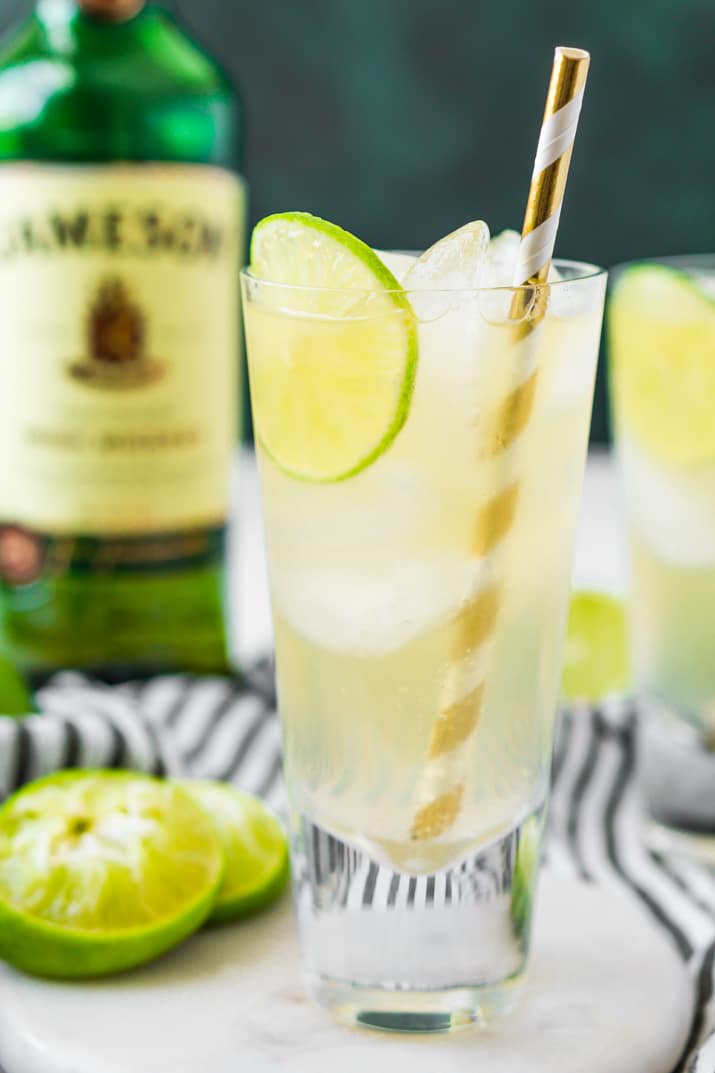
x=662 y=357
x=420 y=541
x=421 y=427
x=371 y=573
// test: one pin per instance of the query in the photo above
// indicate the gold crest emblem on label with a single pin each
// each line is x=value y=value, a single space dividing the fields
x=116 y=335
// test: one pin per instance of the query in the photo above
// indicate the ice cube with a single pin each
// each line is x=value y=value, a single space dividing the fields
x=454 y=264
x=673 y=510
x=466 y=367
x=501 y=263
x=567 y=357
x=385 y=504
x=343 y=608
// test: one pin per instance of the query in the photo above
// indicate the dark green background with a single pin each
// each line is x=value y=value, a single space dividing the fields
x=402 y=119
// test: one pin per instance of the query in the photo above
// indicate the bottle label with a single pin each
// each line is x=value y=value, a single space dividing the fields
x=118 y=363
x=112 y=10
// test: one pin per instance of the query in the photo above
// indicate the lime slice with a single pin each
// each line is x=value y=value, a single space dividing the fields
x=662 y=349
x=332 y=370
x=254 y=844
x=101 y=871
x=596 y=656
x=15 y=698
x=526 y=866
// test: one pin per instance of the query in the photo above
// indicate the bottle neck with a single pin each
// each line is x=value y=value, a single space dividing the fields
x=111 y=10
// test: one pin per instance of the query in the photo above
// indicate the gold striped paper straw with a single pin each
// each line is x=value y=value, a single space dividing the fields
x=441 y=786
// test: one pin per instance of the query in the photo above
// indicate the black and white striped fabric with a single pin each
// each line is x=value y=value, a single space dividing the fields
x=228 y=729
x=598 y=830
x=214 y=728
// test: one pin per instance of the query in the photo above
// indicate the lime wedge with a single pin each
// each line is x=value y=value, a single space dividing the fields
x=102 y=871
x=662 y=349
x=332 y=370
x=254 y=844
x=596 y=656
x=526 y=865
x=15 y=698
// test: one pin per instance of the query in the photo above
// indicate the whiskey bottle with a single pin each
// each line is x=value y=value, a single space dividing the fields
x=121 y=229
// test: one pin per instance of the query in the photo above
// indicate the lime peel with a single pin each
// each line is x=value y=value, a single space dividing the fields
x=255 y=846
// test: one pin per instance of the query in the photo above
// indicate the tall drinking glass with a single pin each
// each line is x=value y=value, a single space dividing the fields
x=662 y=364
x=419 y=606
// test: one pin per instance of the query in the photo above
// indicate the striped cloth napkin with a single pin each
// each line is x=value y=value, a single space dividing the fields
x=228 y=729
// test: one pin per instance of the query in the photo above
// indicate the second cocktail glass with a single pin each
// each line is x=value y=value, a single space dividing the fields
x=662 y=365
x=419 y=600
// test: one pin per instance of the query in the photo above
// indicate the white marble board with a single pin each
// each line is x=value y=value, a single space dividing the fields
x=605 y=994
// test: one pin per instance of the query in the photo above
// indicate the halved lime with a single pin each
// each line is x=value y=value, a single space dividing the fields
x=332 y=356
x=596 y=655
x=662 y=349
x=101 y=871
x=254 y=844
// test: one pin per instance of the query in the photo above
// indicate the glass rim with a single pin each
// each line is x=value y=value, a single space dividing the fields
x=676 y=260
x=584 y=270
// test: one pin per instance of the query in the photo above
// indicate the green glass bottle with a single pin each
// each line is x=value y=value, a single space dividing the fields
x=122 y=220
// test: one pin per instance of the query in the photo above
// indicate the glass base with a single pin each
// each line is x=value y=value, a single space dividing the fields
x=414 y=1011
x=407 y=953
